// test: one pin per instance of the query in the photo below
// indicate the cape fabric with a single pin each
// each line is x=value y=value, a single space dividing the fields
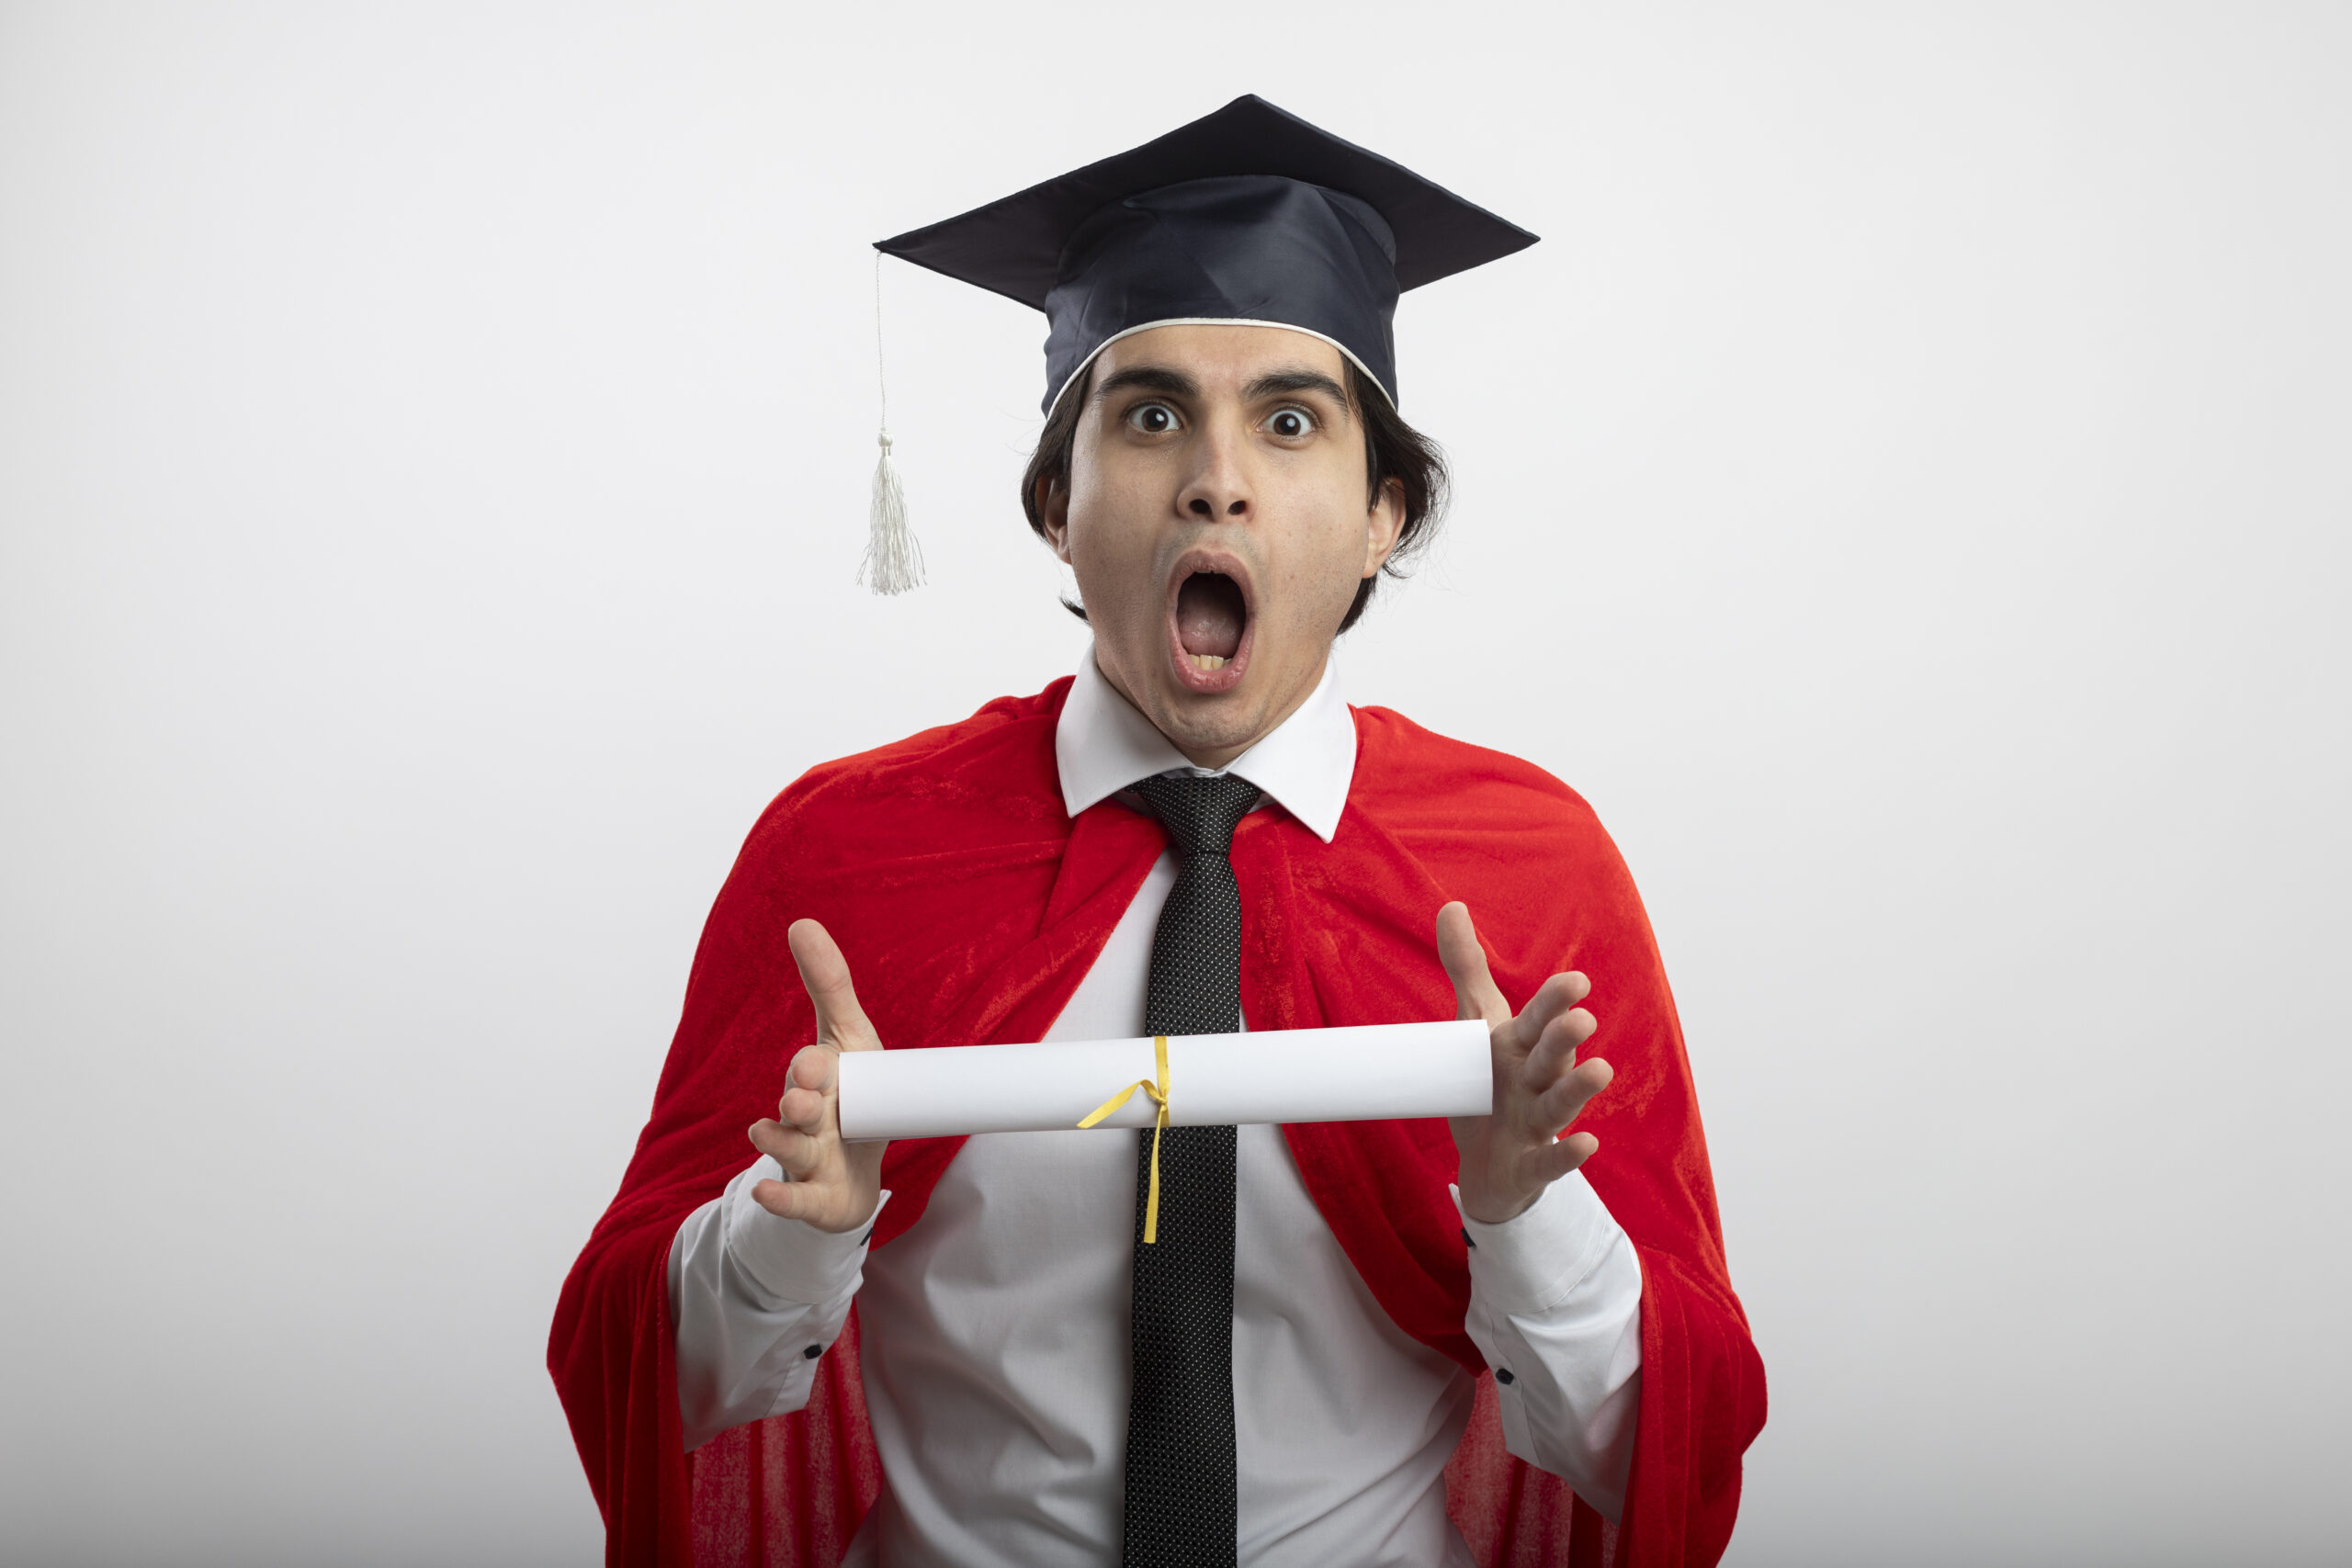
x=970 y=905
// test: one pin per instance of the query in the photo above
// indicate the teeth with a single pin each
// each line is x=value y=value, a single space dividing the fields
x=1206 y=662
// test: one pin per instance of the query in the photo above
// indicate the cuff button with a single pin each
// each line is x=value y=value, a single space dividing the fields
x=1502 y=1376
x=813 y=1351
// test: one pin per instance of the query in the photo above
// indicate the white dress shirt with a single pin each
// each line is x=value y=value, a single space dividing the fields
x=995 y=1330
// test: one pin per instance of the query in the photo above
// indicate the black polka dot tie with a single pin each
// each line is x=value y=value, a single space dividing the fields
x=1181 y=1510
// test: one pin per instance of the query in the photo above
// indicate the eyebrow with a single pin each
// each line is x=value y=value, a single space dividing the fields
x=1150 y=379
x=1176 y=384
x=1275 y=383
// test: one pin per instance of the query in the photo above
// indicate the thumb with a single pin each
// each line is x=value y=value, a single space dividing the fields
x=1475 y=995
x=824 y=972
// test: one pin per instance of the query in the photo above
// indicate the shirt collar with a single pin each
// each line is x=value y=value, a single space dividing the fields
x=1102 y=744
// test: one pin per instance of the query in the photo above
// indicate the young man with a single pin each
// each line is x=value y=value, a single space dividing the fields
x=1365 y=1343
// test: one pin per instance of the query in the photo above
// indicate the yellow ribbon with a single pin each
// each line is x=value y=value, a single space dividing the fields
x=1159 y=1093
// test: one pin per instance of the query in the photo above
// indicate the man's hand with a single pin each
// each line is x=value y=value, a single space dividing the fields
x=1509 y=1157
x=834 y=1185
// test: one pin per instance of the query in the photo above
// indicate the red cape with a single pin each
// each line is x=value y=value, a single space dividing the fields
x=970 y=905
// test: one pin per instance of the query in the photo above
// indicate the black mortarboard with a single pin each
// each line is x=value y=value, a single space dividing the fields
x=1247 y=215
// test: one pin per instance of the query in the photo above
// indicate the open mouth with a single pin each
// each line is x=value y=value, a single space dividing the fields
x=1211 y=625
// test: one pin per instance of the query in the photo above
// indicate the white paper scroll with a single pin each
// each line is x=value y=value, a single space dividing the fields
x=1279 y=1075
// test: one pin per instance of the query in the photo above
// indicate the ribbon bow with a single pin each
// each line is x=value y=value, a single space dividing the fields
x=1159 y=1093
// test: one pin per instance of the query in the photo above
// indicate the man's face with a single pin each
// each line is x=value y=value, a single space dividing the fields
x=1217 y=519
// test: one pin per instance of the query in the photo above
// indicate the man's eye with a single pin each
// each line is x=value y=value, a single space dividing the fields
x=1152 y=419
x=1291 y=423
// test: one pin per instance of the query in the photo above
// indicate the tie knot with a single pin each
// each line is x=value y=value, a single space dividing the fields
x=1199 y=814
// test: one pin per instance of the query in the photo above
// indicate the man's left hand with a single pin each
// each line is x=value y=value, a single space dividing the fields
x=1510 y=1156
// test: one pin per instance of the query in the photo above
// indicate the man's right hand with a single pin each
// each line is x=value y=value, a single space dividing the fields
x=834 y=1186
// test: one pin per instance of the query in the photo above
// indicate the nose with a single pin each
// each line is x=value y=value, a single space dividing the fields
x=1219 y=487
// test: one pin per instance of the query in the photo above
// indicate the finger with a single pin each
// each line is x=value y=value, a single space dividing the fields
x=780 y=1142
x=1556 y=1049
x=813 y=1069
x=787 y=1200
x=1554 y=1161
x=796 y=1151
x=1475 y=995
x=824 y=972
x=1553 y=998
x=1565 y=1101
x=803 y=1111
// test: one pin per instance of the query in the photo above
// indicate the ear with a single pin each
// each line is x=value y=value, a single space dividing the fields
x=1053 y=508
x=1382 y=525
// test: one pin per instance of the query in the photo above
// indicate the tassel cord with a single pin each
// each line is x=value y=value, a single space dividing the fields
x=893 y=562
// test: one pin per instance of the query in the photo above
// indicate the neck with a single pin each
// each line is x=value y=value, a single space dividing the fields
x=1202 y=756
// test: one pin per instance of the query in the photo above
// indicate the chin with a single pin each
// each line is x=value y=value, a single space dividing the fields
x=1224 y=723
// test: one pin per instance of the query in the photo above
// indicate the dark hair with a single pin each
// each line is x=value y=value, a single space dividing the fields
x=1394 y=453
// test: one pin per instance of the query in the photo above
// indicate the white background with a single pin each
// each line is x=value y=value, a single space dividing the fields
x=1906 y=493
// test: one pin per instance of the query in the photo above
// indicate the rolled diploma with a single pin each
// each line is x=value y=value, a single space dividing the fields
x=1357 y=1074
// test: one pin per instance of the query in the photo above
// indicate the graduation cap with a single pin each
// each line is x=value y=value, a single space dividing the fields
x=1249 y=215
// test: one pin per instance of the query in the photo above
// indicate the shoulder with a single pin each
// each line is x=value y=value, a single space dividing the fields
x=1477 y=817
x=1540 y=874
x=990 y=775
x=1416 y=781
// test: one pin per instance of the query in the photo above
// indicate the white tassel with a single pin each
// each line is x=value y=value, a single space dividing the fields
x=893 y=561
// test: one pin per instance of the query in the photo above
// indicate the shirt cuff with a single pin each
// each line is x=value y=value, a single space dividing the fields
x=1531 y=1262
x=791 y=1259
